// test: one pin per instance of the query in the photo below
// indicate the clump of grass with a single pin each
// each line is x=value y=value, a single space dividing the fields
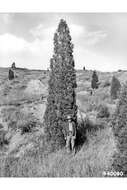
x=84 y=126
x=26 y=126
x=17 y=119
x=106 y=83
x=91 y=103
x=103 y=111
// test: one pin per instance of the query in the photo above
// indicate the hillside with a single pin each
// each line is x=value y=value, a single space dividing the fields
x=22 y=106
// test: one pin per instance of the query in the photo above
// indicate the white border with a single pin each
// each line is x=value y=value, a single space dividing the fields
x=63 y=6
x=63 y=183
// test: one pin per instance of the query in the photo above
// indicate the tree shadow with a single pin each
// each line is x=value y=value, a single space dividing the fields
x=84 y=127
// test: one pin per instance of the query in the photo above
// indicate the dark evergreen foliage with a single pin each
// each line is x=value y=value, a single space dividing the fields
x=84 y=68
x=115 y=88
x=11 y=74
x=61 y=100
x=119 y=124
x=94 y=81
x=13 y=65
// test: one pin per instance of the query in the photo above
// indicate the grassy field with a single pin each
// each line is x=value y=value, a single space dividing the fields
x=22 y=106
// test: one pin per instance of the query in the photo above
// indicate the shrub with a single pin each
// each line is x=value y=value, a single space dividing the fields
x=25 y=127
x=115 y=87
x=94 y=82
x=106 y=83
x=119 y=124
x=81 y=132
x=61 y=100
x=11 y=74
x=3 y=140
x=86 y=126
x=103 y=112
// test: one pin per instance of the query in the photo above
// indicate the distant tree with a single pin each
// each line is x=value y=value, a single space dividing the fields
x=84 y=68
x=13 y=65
x=94 y=81
x=61 y=100
x=11 y=74
x=119 y=124
x=119 y=70
x=115 y=88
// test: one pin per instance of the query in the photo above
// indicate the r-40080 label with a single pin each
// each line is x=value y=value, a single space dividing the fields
x=113 y=173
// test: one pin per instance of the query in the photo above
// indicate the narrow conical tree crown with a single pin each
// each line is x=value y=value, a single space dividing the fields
x=94 y=81
x=115 y=87
x=61 y=100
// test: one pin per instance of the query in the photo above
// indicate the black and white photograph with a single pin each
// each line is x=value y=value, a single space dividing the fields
x=63 y=94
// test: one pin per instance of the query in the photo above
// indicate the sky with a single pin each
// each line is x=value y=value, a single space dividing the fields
x=100 y=39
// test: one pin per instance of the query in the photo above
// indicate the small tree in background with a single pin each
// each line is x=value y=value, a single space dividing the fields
x=61 y=100
x=84 y=68
x=115 y=88
x=11 y=74
x=119 y=124
x=13 y=66
x=94 y=81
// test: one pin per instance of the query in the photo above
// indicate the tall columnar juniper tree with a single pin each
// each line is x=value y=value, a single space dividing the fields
x=61 y=100
x=94 y=81
x=119 y=124
x=115 y=88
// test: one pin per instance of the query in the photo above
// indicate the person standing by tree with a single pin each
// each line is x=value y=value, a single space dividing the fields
x=71 y=135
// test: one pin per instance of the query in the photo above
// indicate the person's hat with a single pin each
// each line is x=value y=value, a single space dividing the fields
x=68 y=117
